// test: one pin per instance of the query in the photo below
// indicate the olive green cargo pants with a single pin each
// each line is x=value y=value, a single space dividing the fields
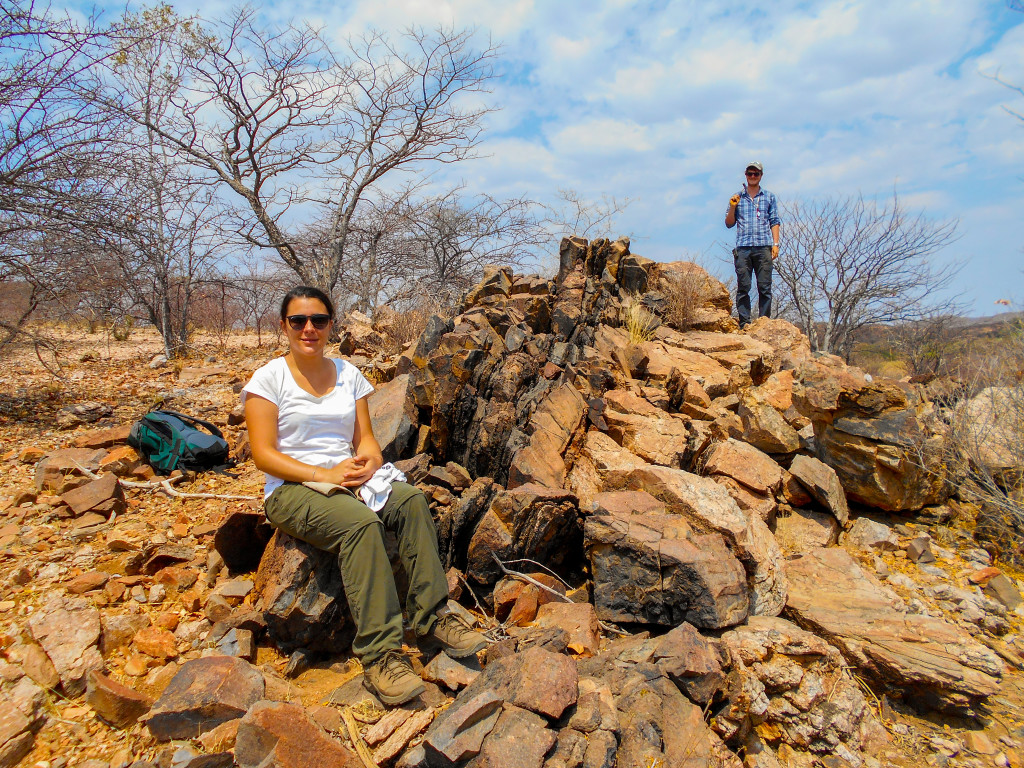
x=343 y=525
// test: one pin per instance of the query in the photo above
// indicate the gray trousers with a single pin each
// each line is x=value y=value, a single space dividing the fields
x=343 y=525
x=757 y=260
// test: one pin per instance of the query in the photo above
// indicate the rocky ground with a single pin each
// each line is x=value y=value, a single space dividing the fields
x=722 y=550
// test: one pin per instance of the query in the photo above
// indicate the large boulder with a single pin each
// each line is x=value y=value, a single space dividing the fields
x=926 y=659
x=302 y=597
x=709 y=507
x=203 y=694
x=654 y=569
x=883 y=441
x=394 y=416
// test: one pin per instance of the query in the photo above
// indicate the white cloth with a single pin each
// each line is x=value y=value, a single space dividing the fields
x=375 y=491
x=315 y=430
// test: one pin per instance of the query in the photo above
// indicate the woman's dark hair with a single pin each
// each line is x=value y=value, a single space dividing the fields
x=306 y=292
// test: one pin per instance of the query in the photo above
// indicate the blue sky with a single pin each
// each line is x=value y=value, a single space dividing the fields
x=665 y=102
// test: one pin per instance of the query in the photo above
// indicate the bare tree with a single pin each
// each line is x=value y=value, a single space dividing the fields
x=849 y=262
x=51 y=140
x=259 y=287
x=267 y=113
x=926 y=344
x=577 y=215
x=454 y=236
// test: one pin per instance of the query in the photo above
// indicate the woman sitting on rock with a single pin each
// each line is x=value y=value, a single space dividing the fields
x=309 y=422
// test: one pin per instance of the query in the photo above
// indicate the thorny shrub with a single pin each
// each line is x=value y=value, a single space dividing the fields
x=399 y=327
x=985 y=448
x=686 y=292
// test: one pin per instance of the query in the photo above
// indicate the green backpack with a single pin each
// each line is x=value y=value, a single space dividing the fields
x=167 y=440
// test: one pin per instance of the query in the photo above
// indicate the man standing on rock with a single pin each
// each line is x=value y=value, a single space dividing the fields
x=755 y=214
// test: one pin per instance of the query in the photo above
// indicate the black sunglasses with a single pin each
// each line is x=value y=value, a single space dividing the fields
x=753 y=173
x=298 y=322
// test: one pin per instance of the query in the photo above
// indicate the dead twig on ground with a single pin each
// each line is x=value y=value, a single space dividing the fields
x=555 y=593
x=166 y=486
x=469 y=589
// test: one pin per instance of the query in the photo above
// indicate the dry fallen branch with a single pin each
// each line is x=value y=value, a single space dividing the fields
x=357 y=741
x=167 y=487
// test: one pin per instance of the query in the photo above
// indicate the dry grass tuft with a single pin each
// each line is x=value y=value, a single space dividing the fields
x=639 y=321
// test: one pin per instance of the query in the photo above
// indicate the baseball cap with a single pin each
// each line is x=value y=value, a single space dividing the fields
x=756 y=165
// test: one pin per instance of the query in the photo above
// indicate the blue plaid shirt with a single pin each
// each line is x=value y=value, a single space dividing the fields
x=755 y=218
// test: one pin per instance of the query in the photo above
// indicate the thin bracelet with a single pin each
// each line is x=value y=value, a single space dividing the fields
x=314 y=475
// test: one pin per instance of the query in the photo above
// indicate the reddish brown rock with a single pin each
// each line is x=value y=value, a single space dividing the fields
x=16 y=737
x=68 y=631
x=52 y=470
x=552 y=426
x=156 y=642
x=458 y=732
x=86 y=582
x=454 y=674
x=118 y=704
x=652 y=434
x=524 y=610
x=690 y=662
x=37 y=664
x=763 y=426
x=103 y=438
x=745 y=464
x=121 y=461
x=620 y=503
x=203 y=694
x=749 y=501
x=283 y=735
x=96 y=493
x=793 y=491
x=578 y=620
x=519 y=739
x=823 y=484
x=119 y=629
x=602 y=465
x=394 y=417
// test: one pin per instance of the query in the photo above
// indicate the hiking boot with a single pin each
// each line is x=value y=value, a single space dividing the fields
x=391 y=678
x=454 y=636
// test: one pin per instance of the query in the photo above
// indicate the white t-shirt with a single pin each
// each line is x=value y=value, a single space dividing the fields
x=314 y=430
